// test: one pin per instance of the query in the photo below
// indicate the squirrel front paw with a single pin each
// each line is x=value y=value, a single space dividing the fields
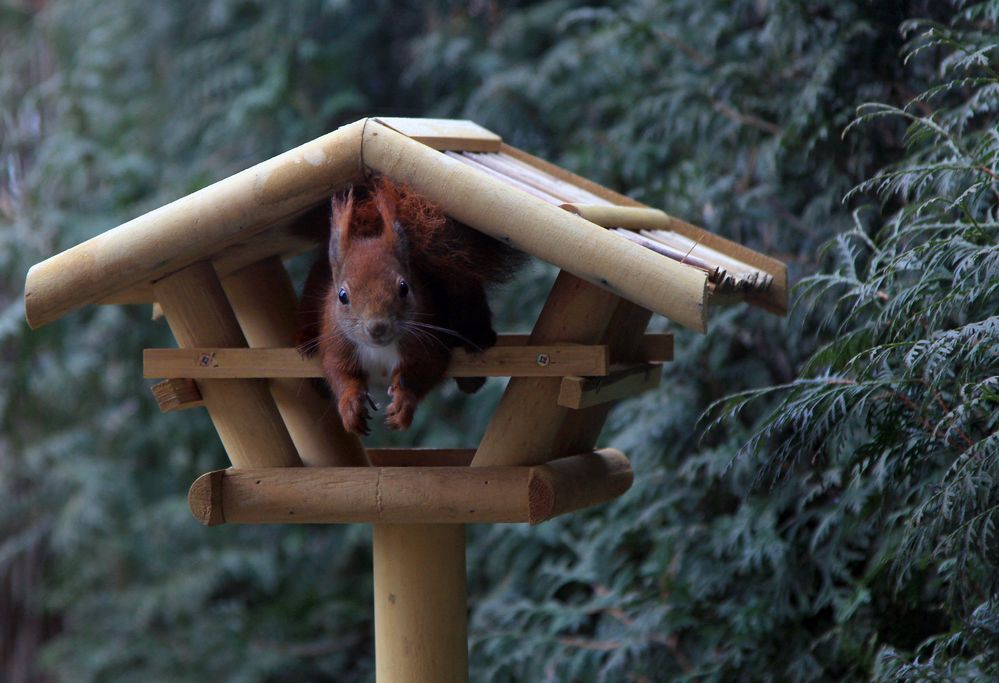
x=354 y=412
x=399 y=414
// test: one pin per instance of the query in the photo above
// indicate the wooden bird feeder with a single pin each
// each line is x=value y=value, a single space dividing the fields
x=212 y=262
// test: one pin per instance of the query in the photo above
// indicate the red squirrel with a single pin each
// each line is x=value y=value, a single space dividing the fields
x=400 y=287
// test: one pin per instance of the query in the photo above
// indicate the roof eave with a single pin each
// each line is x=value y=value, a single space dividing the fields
x=175 y=235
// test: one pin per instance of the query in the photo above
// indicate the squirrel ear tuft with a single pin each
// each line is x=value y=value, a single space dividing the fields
x=341 y=214
x=386 y=201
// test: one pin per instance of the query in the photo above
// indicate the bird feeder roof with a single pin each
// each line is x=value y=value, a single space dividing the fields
x=641 y=254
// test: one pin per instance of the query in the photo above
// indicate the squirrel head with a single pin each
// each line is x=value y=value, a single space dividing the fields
x=371 y=294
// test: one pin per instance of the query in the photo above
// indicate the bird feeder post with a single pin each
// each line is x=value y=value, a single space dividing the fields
x=421 y=608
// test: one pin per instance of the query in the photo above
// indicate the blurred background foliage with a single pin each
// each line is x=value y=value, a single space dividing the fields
x=837 y=524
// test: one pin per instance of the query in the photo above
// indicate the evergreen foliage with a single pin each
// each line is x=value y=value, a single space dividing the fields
x=902 y=404
x=838 y=524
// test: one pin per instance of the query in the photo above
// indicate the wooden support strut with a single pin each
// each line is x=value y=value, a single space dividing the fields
x=243 y=411
x=264 y=301
x=529 y=427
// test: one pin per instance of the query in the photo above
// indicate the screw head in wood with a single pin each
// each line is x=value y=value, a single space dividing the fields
x=543 y=359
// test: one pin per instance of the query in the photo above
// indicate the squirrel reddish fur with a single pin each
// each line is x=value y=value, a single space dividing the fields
x=401 y=286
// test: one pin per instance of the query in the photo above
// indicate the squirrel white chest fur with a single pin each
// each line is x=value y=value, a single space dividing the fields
x=379 y=362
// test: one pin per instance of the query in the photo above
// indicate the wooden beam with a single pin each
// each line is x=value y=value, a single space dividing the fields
x=177 y=394
x=540 y=228
x=655 y=347
x=624 y=381
x=446 y=134
x=243 y=411
x=540 y=360
x=578 y=482
x=285 y=238
x=421 y=457
x=194 y=227
x=265 y=304
x=412 y=494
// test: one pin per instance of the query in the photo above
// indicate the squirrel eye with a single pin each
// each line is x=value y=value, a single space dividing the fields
x=344 y=299
x=403 y=289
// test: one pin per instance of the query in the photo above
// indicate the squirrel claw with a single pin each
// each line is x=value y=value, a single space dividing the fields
x=399 y=414
x=354 y=413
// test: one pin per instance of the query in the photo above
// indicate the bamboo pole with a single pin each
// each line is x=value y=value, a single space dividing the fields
x=193 y=227
x=715 y=273
x=242 y=410
x=265 y=304
x=540 y=192
x=421 y=632
x=628 y=217
x=540 y=228
x=416 y=494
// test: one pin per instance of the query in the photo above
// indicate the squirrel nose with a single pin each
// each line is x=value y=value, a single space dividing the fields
x=377 y=329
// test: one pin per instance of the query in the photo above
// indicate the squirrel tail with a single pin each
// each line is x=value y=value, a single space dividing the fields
x=447 y=247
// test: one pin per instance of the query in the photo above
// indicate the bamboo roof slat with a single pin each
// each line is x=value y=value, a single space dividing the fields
x=446 y=134
x=520 y=185
x=521 y=172
x=574 y=186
